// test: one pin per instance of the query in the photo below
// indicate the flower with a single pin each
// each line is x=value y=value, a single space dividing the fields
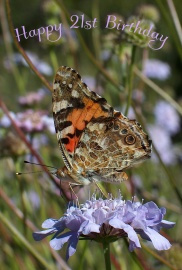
x=149 y=12
x=5 y=122
x=49 y=123
x=137 y=38
x=30 y=121
x=163 y=144
x=17 y=58
x=167 y=117
x=32 y=97
x=156 y=69
x=107 y=220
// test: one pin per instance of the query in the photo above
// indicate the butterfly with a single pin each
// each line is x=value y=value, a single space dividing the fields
x=97 y=142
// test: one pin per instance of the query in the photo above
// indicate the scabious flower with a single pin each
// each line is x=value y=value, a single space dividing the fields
x=17 y=58
x=149 y=12
x=156 y=69
x=163 y=144
x=167 y=117
x=31 y=121
x=107 y=220
x=4 y=120
x=136 y=38
x=32 y=97
x=49 y=123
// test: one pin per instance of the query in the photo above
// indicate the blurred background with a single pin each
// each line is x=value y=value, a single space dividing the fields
x=142 y=83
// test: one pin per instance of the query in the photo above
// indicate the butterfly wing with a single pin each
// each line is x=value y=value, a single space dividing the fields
x=74 y=106
x=109 y=145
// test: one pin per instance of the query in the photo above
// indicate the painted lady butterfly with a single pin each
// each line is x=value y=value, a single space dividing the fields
x=96 y=141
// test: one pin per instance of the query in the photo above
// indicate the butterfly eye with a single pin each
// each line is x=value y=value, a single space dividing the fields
x=130 y=139
x=116 y=127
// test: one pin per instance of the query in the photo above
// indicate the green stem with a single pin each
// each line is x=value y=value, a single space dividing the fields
x=165 y=168
x=130 y=79
x=107 y=258
x=88 y=52
x=25 y=243
x=9 y=48
x=175 y=18
x=158 y=90
x=170 y=26
x=21 y=50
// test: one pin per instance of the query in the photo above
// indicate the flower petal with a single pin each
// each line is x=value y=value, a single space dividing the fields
x=73 y=241
x=99 y=215
x=88 y=227
x=132 y=245
x=49 y=223
x=167 y=224
x=58 y=242
x=159 y=242
x=116 y=223
x=41 y=235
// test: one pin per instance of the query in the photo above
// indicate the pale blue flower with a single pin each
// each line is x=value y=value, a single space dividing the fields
x=163 y=144
x=41 y=65
x=4 y=120
x=49 y=123
x=32 y=97
x=108 y=219
x=156 y=69
x=167 y=117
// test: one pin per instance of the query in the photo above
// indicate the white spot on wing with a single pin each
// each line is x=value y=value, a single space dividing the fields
x=57 y=106
x=75 y=94
x=55 y=86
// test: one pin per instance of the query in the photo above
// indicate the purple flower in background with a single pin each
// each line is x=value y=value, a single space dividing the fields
x=34 y=199
x=4 y=120
x=156 y=69
x=32 y=97
x=17 y=58
x=167 y=117
x=163 y=144
x=30 y=121
x=107 y=220
x=49 y=123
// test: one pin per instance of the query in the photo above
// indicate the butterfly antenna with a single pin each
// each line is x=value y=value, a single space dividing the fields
x=20 y=173
x=28 y=162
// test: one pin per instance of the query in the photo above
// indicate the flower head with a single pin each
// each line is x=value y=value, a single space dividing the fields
x=31 y=121
x=17 y=58
x=32 y=97
x=156 y=69
x=107 y=220
x=164 y=145
x=167 y=117
x=137 y=38
x=149 y=12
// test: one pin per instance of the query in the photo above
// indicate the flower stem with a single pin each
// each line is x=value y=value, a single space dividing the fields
x=130 y=79
x=107 y=258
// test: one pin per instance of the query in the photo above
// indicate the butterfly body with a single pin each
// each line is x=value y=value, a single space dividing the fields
x=96 y=141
